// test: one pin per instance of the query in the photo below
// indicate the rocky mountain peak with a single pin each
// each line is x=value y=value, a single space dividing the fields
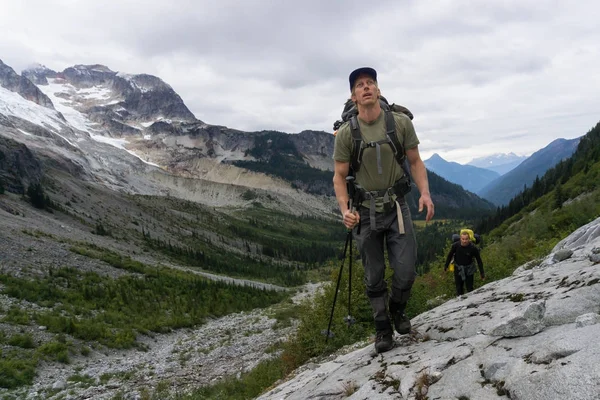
x=88 y=75
x=14 y=82
x=150 y=97
x=38 y=74
x=92 y=68
x=436 y=158
x=145 y=82
x=113 y=103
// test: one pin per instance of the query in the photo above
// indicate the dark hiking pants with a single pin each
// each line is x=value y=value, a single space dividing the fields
x=402 y=256
x=464 y=275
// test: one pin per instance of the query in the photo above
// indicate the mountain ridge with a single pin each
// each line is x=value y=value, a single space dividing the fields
x=501 y=190
x=144 y=117
x=470 y=177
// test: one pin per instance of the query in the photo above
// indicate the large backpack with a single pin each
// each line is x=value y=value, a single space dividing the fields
x=350 y=115
x=350 y=110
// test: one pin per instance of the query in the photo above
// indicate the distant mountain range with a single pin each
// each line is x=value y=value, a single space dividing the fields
x=501 y=188
x=469 y=177
x=504 y=188
x=499 y=162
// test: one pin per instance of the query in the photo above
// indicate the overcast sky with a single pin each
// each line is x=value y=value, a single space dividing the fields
x=481 y=77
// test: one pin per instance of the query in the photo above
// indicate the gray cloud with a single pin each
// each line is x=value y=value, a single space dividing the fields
x=480 y=76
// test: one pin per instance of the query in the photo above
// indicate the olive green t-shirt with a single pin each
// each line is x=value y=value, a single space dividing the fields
x=368 y=175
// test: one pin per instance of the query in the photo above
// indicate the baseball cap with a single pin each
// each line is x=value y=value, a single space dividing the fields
x=363 y=70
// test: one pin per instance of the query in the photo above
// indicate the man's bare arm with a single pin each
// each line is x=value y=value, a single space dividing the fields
x=419 y=175
x=340 y=172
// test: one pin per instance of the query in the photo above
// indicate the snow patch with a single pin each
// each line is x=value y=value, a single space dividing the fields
x=230 y=155
x=74 y=117
x=95 y=92
x=116 y=142
x=12 y=103
x=120 y=143
x=67 y=140
x=58 y=89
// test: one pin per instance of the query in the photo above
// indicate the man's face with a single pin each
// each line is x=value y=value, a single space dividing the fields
x=464 y=240
x=365 y=90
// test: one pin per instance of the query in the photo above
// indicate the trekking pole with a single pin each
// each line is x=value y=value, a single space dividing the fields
x=328 y=333
x=349 y=319
x=352 y=203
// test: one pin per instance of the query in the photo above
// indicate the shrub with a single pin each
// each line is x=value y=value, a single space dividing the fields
x=54 y=351
x=248 y=386
x=84 y=380
x=25 y=341
x=15 y=372
x=17 y=316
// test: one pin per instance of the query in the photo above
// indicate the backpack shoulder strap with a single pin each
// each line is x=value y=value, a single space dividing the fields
x=390 y=126
x=357 y=148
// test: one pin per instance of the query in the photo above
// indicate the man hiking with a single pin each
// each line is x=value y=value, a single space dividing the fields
x=380 y=181
x=464 y=251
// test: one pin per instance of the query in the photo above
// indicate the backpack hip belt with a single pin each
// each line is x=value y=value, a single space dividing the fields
x=390 y=196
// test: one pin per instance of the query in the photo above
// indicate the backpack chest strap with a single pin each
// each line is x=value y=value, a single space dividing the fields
x=391 y=139
x=377 y=146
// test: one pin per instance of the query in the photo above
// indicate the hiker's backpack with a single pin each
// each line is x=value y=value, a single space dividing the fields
x=350 y=110
x=475 y=238
x=350 y=114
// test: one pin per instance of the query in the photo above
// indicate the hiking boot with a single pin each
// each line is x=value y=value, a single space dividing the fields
x=384 y=339
x=401 y=321
x=402 y=324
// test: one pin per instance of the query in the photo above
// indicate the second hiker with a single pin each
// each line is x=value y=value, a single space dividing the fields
x=464 y=253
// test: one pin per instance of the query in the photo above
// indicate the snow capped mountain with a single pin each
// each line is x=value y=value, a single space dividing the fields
x=498 y=162
x=38 y=73
x=133 y=133
x=10 y=80
x=71 y=142
x=105 y=94
x=503 y=189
